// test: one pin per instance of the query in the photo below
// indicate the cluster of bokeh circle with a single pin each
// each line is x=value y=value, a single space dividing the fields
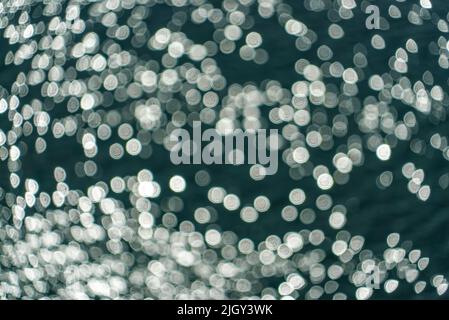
x=92 y=207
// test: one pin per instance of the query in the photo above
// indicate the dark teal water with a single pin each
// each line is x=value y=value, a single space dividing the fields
x=372 y=212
